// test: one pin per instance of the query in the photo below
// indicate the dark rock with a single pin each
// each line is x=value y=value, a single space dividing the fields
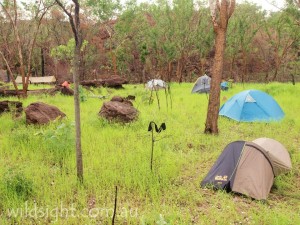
x=121 y=99
x=130 y=97
x=112 y=82
x=92 y=83
x=119 y=109
x=11 y=106
x=117 y=99
x=41 y=113
x=67 y=91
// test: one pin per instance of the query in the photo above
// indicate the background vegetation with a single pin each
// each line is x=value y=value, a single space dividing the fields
x=172 y=40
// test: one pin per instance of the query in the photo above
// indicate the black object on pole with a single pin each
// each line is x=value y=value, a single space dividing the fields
x=153 y=126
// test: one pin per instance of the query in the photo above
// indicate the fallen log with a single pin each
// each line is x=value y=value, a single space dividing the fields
x=111 y=82
x=7 y=93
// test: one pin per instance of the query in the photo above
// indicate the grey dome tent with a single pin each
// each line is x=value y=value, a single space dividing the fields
x=202 y=85
x=243 y=167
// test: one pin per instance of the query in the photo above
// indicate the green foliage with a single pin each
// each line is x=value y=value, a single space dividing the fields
x=82 y=94
x=16 y=186
x=58 y=141
x=66 y=52
x=104 y=9
x=243 y=26
x=160 y=34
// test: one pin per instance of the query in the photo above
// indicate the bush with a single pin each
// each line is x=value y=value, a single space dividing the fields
x=16 y=185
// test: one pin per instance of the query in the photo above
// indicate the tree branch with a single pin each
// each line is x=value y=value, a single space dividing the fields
x=231 y=8
x=71 y=20
x=224 y=14
x=15 y=28
x=32 y=44
x=9 y=72
x=77 y=19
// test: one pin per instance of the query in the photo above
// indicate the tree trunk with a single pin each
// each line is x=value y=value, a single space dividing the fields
x=170 y=69
x=267 y=76
x=75 y=25
x=76 y=74
x=221 y=11
x=114 y=60
x=275 y=73
x=245 y=69
x=179 y=69
x=211 y=125
x=143 y=75
x=42 y=62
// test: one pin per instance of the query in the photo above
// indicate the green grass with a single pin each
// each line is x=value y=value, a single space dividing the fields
x=38 y=167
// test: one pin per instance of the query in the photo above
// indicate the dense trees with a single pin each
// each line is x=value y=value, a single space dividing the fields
x=169 y=39
x=22 y=43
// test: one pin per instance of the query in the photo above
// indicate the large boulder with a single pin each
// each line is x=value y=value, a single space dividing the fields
x=11 y=106
x=119 y=109
x=41 y=113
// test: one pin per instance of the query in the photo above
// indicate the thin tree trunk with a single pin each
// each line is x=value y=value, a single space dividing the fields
x=169 y=71
x=114 y=59
x=75 y=25
x=245 y=69
x=76 y=75
x=267 y=76
x=42 y=62
x=179 y=69
x=211 y=125
x=11 y=76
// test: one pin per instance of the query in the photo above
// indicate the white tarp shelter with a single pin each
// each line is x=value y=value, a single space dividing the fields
x=156 y=84
x=38 y=80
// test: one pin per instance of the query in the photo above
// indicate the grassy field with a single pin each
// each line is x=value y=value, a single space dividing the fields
x=38 y=182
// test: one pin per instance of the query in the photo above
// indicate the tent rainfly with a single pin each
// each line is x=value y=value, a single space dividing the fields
x=202 y=84
x=247 y=168
x=251 y=106
x=38 y=80
x=278 y=154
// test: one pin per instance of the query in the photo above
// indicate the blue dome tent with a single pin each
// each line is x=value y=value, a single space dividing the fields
x=251 y=106
x=224 y=86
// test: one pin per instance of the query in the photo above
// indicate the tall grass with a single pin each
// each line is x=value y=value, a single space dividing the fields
x=38 y=167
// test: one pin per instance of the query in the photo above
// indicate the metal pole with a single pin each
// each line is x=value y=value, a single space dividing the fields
x=152 y=150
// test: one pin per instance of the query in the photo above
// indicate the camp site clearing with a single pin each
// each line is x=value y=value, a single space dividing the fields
x=38 y=162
